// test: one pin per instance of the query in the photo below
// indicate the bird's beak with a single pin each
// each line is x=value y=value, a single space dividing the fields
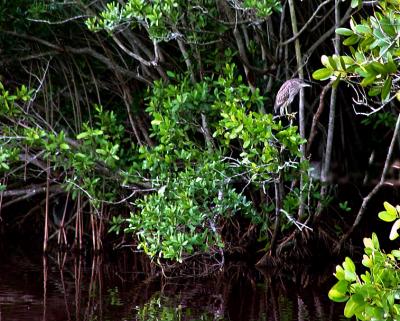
x=305 y=85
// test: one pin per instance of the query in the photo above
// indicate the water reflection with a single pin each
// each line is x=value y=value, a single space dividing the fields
x=66 y=287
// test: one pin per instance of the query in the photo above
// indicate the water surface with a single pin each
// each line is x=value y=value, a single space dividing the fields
x=126 y=287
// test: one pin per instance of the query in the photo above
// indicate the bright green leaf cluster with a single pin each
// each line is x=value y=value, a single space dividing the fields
x=195 y=178
x=374 y=52
x=375 y=294
x=183 y=216
x=163 y=20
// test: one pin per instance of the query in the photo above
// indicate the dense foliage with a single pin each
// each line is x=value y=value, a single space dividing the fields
x=372 y=62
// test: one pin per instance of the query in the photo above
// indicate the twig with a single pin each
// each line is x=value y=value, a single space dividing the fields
x=316 y=117
x=381 y=182
x=327 y=34
x=332 y=110
x=278 y=207
x=29 y=192
x=46 y=210
x=298 y=224
x=59 y=22
x=295 y=36
x=143 y=61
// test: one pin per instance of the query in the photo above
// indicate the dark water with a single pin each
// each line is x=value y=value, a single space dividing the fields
x=67 y=287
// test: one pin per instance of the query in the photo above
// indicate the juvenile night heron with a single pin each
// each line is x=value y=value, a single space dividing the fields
x=286 y=94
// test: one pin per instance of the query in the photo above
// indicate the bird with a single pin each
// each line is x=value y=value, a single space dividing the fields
x=286 y=94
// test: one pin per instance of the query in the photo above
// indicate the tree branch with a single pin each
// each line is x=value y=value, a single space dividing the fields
x=293 y=19
x=316 y=117
x=381 y=182
x=295 y=36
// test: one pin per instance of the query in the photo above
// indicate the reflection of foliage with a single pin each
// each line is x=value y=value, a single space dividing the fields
x=287 y=313
x=159 y=309
x=114 y=297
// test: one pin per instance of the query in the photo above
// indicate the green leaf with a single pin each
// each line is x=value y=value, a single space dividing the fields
x=351 y=40
x=171 y=74
x=363 y=29
x=393 y=232
x=156 y=122
x=390 y=208
x=5 y=166
x=246 y=143
x=355 y=304
x=368 y=80
x=344 y=31
x=332 y=63
x=396 y=253
x=348 y=60
x=101 y=151
x=386 y=216
x=368 y=243
x=238 y=129
x=376 y=313
x=339 y=273
x=325 y=61
x=82 y=135
x=342 y=63
x=374 y=91
x=349 y=270
x=350 y=276
x=97 y=132
x=375 y=241
x=390 y=66
x=366 y=261
x=378 y=67
x=64 y=146
x=322 y=74
x=349 y=265
x=386 y=89
x=338 y=293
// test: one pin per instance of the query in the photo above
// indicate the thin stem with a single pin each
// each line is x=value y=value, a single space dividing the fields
x=46 y=211
x=367 y=198
x=301 y=98
x=331 y=122
x=278 y=206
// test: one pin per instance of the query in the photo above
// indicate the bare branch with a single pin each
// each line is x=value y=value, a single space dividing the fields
x=143 y=61
x=327 y=34
x=61 y=21
x=295 y=36
x=316 y=117
x=86 y=50
x=377 y=187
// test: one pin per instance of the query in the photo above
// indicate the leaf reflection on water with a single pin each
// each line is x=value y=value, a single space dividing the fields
x=66 y=287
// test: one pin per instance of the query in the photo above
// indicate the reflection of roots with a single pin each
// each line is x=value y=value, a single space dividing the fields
x=197 y=265
x=138 y=290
